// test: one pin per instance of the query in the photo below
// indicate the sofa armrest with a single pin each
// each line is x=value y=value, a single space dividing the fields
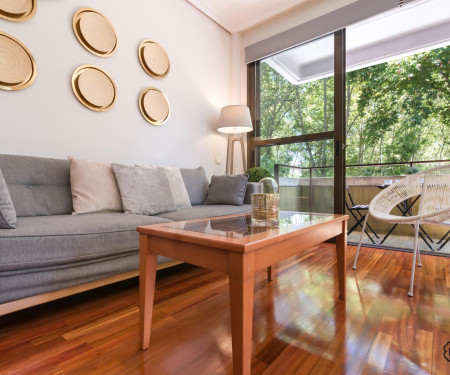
x=252 y=187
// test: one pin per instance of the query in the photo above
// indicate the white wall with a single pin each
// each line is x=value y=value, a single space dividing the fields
x=47 y=120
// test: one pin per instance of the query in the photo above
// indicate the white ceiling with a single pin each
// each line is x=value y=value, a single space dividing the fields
x=418 y=27
x=238 y=15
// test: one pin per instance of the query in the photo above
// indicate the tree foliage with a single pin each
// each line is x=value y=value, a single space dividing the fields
x=397 y=111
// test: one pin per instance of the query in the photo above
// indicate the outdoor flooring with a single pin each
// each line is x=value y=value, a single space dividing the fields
x=402 y=242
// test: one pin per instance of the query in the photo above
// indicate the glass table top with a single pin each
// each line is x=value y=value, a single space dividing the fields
x=241 y=226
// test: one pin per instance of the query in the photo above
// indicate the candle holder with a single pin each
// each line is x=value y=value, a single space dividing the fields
x=266 y=204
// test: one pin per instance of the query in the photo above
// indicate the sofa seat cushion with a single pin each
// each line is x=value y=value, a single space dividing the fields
x=43 y=241
x=204 y=211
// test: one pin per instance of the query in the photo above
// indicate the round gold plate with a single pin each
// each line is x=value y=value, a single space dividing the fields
x=154 y=106
x=154 y=59
x=94 y=88
x=17 y=10
x=95 y=32
x=17 y=66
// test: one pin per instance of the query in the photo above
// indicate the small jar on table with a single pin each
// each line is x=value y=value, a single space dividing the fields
x=266 y=204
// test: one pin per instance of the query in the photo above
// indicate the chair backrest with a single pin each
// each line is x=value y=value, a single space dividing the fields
x=432 y=185
x=435 y=199
x=349 y=196
x=436 y=193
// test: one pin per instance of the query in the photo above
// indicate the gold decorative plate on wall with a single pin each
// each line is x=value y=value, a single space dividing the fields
x=154 y=106
x=17 y=66
x=17 y=10
x=154 y=59
x=94 y=88
x=95 y=32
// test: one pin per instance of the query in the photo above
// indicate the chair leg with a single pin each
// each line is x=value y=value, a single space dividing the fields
x=443 y=238
x=358 y=222
x=413 y=269
x=445 y=243
x=374 y=233
x=360 y=240
x=418 y=253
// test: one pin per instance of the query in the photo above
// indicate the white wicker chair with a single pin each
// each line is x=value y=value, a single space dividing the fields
x=434 y=207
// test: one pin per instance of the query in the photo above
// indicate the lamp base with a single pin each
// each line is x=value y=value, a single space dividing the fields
x=232 y=139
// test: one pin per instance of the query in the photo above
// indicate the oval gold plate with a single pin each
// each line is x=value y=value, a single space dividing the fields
x=95 y=32
x=154 y=59
x=94 y=88
x=17 y=10
x=17 y=66
x=154 y=106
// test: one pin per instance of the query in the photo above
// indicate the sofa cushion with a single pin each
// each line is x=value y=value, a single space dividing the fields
x=62 y=239
x=94 y=187
x=144 y=191
x=204 y=211
x=176 y=185
x=196 y=184
x=8 y=217
x=227 y=189
x=38 y=186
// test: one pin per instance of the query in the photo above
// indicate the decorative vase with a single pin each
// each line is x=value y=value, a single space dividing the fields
x=266 y=204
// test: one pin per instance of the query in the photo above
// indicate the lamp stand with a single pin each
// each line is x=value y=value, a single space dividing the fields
x=232 y=139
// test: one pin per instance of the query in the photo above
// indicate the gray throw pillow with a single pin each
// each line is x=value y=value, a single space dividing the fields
x=227 y=189
x=144 y=191
x=8 y=217
x=177 y=188
x=196 y=184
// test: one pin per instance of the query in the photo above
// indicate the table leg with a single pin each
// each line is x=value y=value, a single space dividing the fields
x=270 y=273
x=241 y=304
x=341 y=248
x=147 y=278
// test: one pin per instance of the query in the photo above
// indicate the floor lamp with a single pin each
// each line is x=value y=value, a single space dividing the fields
x=235 y=119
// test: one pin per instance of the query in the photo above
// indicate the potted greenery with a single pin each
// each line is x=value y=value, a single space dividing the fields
x=256 y=174
x=412 y=170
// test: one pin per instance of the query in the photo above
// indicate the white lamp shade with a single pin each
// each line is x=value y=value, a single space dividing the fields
x=235 y=119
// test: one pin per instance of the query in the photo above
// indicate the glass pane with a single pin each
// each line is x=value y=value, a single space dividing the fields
x=305 y=155
x=307 y=178
x=297 y=90
x=241 y=226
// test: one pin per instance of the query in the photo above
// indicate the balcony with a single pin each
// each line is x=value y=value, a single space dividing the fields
x=312 y=189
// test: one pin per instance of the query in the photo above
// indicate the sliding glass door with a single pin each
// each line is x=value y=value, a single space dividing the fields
x=298 y=133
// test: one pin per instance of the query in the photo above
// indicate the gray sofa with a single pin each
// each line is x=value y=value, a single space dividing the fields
x=53 y=253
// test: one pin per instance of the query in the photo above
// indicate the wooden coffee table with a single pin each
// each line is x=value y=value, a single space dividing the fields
x=230 y=245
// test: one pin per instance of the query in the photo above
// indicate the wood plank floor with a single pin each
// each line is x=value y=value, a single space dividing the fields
x=300 y=327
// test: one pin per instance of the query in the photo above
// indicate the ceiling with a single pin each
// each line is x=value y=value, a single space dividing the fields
x=238 y=15
x=411 y=29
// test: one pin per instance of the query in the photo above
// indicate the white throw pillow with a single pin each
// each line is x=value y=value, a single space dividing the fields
x=94 y=187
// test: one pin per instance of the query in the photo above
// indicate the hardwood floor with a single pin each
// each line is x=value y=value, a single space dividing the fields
x=300 y=326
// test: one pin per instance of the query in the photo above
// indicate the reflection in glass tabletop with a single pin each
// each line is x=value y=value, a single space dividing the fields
x=240 y=226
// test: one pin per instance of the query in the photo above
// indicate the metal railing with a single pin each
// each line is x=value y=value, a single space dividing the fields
x=276 y=167
x=311 y=169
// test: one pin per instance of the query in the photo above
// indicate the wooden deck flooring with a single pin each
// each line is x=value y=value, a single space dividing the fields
x=300 y=327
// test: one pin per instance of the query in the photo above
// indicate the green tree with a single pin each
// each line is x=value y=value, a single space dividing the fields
x=396 y=112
